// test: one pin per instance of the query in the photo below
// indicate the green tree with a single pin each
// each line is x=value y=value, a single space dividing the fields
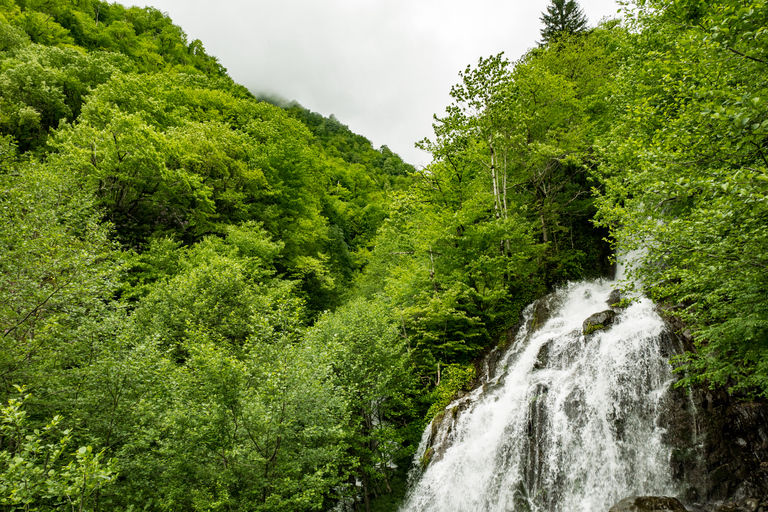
x=207 y=398
x=504 y=210
x=42 y=86
x=562 y=17
x=687 y=178
x=450 y=284
x=56 y=268
x=145 y=35
x=37 y=472
x=261 y=430
x=360 y=342
x=559 y=96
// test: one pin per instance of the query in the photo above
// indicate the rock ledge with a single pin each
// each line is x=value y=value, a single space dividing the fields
x=648 y=504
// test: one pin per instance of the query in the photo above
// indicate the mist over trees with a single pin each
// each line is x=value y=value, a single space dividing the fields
x=211 y=302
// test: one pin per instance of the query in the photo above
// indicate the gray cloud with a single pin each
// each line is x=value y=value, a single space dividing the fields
x=383 y=67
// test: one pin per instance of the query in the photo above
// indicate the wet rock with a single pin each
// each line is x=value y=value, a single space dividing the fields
x=441 y=435
x=490 y=364
x=486 y=368
x=615 y=297
x=427 y=457
x=720 y=448
x=671 y=317
x=601 y=320
x=729 y=507
x=745 y=505
x=535 y=447
x=541 y=314
x=542 y=310
x=542 y=358
x=671 y=345
x=648 y=504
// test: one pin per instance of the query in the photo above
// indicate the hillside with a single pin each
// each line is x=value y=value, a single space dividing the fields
x=212 y=302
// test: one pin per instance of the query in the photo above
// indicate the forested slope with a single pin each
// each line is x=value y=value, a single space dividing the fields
x=209 y=302
x=167 y=239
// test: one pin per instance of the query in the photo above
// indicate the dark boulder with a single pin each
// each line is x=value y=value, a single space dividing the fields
x=542 y=310
x=648 y=504
x=601 y=320
x=615 y=297
x=745 y=505
x=720 y=445
x=542 y=358
x=541 y=313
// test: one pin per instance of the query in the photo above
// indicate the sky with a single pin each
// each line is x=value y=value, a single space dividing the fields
x=382 y=67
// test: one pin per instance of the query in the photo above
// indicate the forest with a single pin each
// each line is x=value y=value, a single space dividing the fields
x=212 y=302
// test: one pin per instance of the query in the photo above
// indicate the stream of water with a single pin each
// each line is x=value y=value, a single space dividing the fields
x=570 y=424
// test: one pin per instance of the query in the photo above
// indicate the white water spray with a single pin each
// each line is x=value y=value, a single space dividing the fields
x=571 y=424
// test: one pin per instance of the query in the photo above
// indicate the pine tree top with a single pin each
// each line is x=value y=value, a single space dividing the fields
x=562 y=16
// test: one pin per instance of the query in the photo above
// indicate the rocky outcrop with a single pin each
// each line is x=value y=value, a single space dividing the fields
x=648 y=504
x=601 y=320
x=719 y=440
x=720 y=448
x=745 y=505
x=615 y=297
x=542 y=310
x=542 y=358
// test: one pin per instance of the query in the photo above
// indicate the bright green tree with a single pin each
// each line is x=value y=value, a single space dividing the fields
x=371 y=369
x=37 y=471
x=207 y=398
x=687 y=181
x=56 y=267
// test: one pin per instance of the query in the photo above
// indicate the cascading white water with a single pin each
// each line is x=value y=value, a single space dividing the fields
x=571 y=424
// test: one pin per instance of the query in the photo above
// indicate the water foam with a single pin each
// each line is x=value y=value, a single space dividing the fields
x=571 y=424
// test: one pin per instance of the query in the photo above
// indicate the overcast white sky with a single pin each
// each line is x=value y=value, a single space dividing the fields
x=383 y=67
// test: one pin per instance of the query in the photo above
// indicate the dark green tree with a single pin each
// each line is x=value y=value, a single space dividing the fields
x=562 y=16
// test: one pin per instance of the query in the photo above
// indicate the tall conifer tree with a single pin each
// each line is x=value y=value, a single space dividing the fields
x=562 y=16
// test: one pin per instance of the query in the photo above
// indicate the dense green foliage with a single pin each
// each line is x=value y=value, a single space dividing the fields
x=687 y=180
x=372 y=372
x=166 y=241
x=34 y=473
x=211 y=302
x=502 y=213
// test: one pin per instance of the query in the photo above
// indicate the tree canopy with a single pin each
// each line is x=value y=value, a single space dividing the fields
x=687 y=178
x=212 y=302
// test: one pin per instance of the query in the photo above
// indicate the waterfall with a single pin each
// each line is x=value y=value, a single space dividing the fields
x=570 y=423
